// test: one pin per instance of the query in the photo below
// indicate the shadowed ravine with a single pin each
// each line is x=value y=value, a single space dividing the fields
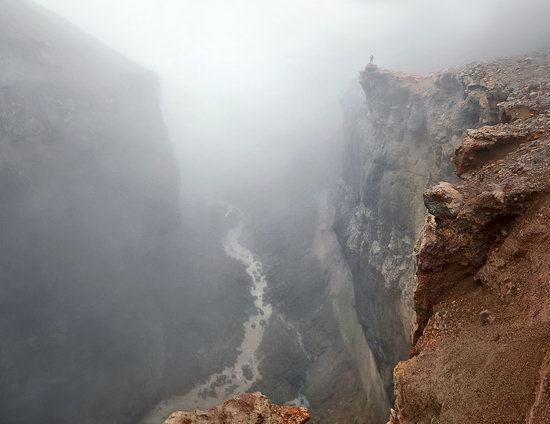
x=239 y=377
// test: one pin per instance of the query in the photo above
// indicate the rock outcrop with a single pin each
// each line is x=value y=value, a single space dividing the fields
x=398 y=142
x=482 y=296
x=401 y=141
x=248 y=408
x=96 y=277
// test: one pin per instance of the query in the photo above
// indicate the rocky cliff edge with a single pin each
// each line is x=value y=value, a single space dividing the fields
x=248 y=408
x=482 y=296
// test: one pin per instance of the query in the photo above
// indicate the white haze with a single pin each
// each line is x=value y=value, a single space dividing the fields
x=247 y=82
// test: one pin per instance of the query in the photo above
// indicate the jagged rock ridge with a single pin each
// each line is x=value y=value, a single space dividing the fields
x=88 y=186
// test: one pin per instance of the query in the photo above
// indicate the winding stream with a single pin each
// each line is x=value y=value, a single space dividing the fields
x=240 y=376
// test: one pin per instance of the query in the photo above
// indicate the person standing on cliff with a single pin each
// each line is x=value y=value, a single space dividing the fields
x=371 y=59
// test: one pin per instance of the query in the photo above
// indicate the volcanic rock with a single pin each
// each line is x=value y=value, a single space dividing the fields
x=249 y=408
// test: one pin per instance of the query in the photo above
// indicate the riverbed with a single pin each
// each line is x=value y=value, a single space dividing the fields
x=240 y=376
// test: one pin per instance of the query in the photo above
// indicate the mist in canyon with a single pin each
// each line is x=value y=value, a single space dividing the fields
x=172 y=213
x=248 y=84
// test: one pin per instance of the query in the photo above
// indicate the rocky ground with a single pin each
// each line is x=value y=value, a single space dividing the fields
x=250 y=408
x=482 y=296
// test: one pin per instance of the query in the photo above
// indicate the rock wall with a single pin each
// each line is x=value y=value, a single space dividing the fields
x=372 y=396
x=482 y=296
x=88 y=186
x=342 y=265
x=98 y=282
x=400 y=135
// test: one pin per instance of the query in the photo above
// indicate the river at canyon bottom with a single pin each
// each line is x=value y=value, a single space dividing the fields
x=239 y=377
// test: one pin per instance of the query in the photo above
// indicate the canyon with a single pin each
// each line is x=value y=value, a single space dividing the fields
x=400 y=274
x=455 y=273
x=481 y=295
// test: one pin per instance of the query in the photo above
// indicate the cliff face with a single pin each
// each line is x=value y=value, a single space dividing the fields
x=351 y=295
x=477 y=310
x=482 y=296
x=398 y=142
x=96 y=279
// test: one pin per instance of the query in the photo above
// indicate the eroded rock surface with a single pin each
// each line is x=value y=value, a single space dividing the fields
x=249 y=408
x=482 y=294
x=98 y=273
x=401 y=133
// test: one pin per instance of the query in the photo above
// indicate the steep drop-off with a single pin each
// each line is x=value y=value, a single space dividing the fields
x=396 y=142
x=482 y=297
x=401 y=135
x=107 y=303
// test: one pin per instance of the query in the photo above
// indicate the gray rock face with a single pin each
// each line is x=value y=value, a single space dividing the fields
x=95 y=282
x=88 y=189
x=401 y=133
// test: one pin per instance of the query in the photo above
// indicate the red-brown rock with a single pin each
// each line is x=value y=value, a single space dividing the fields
x=482 y=298
x=248 y=408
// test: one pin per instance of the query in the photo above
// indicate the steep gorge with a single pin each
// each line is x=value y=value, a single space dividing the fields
x=111 y=303
x=482 y=294
x=358 y=266
x=401 y=132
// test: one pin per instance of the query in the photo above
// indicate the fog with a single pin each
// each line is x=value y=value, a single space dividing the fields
x=127 y=281
x=247 y=82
